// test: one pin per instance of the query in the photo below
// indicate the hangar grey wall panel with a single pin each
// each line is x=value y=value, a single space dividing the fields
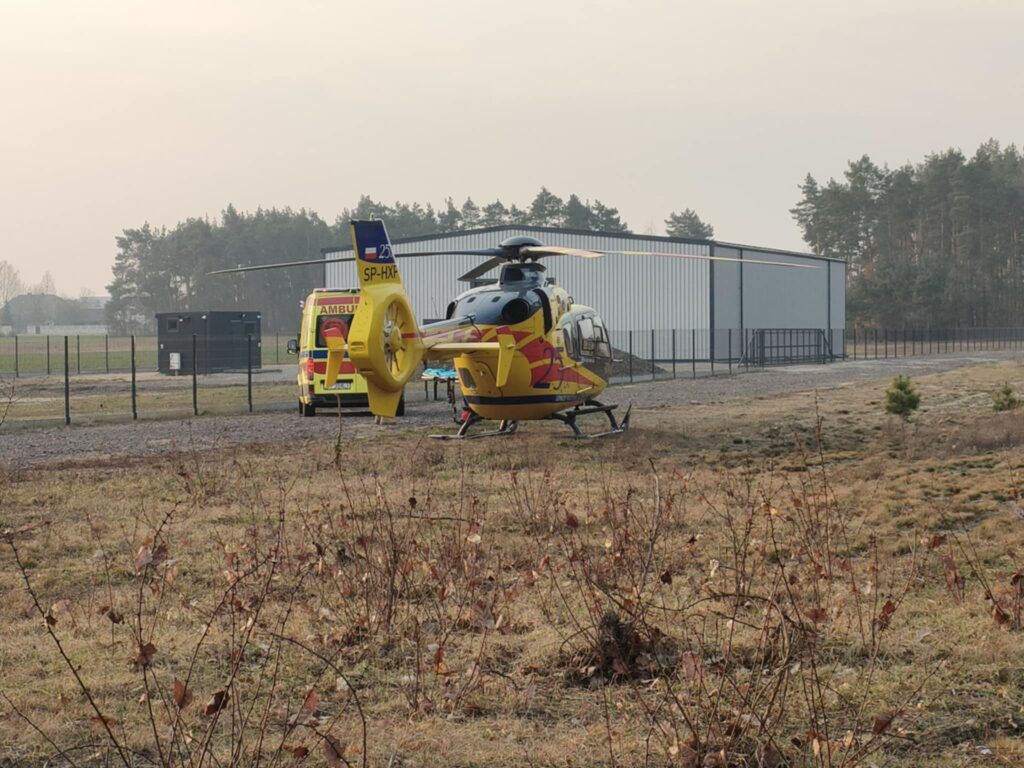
x=728 y=308
x=777 y=297
x=837 y=299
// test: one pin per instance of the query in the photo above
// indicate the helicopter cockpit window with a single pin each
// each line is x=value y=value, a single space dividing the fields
x=602 y=344
x=593 y=337
x=571 y=338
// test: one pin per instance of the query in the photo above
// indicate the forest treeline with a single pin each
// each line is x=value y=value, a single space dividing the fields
x=165 y=269
x=937 y=243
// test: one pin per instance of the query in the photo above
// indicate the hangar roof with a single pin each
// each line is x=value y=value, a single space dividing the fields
x=589 y=232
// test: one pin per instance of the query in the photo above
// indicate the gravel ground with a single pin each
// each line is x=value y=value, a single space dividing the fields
x=114 y=443
x=797 y=378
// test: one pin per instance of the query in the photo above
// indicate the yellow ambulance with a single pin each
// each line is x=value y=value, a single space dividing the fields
x=325 y=308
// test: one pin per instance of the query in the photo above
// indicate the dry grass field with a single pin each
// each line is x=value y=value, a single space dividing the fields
x=795 y=580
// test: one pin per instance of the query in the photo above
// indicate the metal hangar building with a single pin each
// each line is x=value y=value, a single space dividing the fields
x=659 y=306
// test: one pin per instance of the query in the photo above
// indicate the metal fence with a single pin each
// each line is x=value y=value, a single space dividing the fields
x=658 y=354
x=79 y=379
x=31 y=355
x=881 y=343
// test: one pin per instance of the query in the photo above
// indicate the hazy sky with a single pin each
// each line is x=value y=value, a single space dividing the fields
x=117 y=113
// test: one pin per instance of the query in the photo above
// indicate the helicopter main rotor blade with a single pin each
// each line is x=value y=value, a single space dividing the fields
x=286 y=264
x=482 y=268
x=540 y=251
x=710 y=258
x=279 y=265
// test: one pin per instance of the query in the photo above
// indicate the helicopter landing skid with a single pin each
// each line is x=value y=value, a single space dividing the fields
x=505 y=427
x=593 y=406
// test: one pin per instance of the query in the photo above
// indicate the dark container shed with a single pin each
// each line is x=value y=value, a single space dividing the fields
x=222 y=340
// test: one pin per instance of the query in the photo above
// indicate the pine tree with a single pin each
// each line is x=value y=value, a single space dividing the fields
x=494 y=214
x=471 y=215
x=547 y=209
x=687 y=223
x=517 y=215
x=604 y=218
x=450 y=219
x=1005 y=399
x=902 y=399
x=577 y=214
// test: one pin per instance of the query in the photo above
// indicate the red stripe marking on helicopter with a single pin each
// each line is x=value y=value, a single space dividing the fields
x=353 y=300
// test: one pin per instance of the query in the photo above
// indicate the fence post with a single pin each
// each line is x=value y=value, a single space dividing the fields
x=673 y=353
x=47 y=354
x=67 y=386
x=654 y=374
x=195 y=389
x=630 y=357
x=249 y=369
x=277 y=348
x=15 y=355
x=78 y=352
x=135 y=408
x=106 y=351
x=730 y=351
x=693 y=351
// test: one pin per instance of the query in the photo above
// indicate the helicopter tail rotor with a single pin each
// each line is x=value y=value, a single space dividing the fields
x=384 y=340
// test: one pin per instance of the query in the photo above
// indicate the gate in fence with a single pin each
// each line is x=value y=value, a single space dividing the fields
x=786 y=346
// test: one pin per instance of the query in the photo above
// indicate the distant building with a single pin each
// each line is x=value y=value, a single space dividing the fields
x=222 y=341
x=65 y=330
x=42 y=313
x=94 y=302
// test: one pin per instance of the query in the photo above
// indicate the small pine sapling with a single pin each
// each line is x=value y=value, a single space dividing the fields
x=902 y=399
x=1005 y=399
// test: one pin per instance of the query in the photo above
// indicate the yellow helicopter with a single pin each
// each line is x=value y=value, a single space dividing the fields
x=523 y=349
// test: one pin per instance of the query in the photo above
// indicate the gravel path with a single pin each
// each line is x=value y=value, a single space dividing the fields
x=114 y=443
x=797 y=378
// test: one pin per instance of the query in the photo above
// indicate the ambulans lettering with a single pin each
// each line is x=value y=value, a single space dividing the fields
x=337 y=309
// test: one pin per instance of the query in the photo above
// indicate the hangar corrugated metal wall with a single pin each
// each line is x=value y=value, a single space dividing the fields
x=641 y=293
x=629 y=291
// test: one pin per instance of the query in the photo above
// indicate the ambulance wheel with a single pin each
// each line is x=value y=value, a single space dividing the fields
x=401 y=407
x=307 y=410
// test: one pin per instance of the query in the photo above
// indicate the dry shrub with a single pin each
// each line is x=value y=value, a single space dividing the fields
x=736 y=633
x=620 y=651
x=744 y=614
x=991 y=432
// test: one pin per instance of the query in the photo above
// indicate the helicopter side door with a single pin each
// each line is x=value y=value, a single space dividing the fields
x=572 y=347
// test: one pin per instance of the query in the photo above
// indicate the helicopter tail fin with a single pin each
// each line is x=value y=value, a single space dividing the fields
x=384 y=339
